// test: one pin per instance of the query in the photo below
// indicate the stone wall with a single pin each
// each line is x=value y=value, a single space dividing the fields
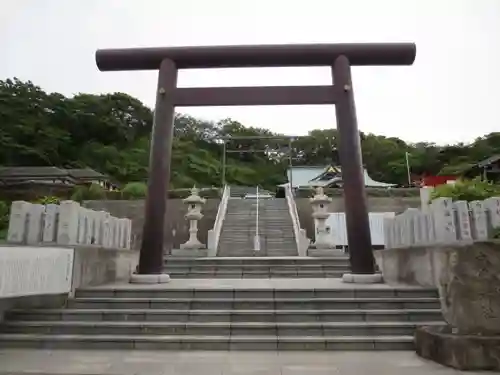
x=92 y=265
x=375 y=204
x=134 y=210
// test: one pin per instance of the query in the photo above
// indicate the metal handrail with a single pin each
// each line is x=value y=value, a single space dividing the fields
x=256 y=241
x=214 y=233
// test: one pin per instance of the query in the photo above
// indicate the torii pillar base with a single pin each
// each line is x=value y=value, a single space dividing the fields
x=161 y=278
x=361 y=278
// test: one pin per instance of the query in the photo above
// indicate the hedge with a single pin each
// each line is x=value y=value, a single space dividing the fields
x=370 y=192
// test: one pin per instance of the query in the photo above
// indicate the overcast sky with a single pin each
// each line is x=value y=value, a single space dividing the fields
x=442 y=98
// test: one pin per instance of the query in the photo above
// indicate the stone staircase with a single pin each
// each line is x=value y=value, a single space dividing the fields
x=222 y=318
x=275 y=229
x=256 y=267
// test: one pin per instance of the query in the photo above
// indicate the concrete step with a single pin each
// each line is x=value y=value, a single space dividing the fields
x=296 y=294
x=249 y=304
x=225 y=318
x=252 y=274
x=184 y=342
x=215 y=328
x=229 y=315
x=250 y=252
x=255 y=267
x=270 y=261
x=267 y=234
x=278 y=243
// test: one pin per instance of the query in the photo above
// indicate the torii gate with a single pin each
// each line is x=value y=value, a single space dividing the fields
x=339 y=56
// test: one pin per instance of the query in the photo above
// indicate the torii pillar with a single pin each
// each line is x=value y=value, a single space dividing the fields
x=339 y=56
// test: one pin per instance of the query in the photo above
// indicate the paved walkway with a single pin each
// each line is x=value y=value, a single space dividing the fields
x=215 y=363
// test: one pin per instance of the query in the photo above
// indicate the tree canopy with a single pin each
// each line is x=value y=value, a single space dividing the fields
x=110 y=133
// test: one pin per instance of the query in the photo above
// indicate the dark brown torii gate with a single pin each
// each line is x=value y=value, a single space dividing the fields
x=339 y=56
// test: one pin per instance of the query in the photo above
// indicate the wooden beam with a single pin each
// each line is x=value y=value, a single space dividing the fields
x=243 y=96
x=248 y=56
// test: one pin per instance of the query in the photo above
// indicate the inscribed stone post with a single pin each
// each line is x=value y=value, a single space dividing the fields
x=394 y=230
x=417 y=229
x=463 y=220
x=128 y=238
x=116 y=240
x=479 y=220
x=50 y=223
x=112 y=232
x=123 y=233
x=89 y=226
x=106 y=229
x=35 y=224
x=444 y=220
x=388 y=232
x=81 y=225
x=399 y=231
x=18 y=222
x=100 y=216
x=409 y=227
x=67 y=228
x=429 y=228
x=119 y=230
x=493 y=211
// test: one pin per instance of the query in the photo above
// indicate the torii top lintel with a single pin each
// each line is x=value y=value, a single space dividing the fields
x=256 y=56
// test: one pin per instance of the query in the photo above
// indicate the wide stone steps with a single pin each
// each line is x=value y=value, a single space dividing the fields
x=255 y=266
x=285 y=243
x=297 y=329
x=268 y=261
x=217 y=318
x=228 y=315
x=246 y=250
x=252 y=274
x=276 y=233
x=224 y=342
x=256 y=271
x=255 y=303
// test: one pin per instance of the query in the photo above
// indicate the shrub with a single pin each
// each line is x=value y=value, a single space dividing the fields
x=467 y=190
x=172 y=194
x=204 y=192
x=370 y=192
x=84 y=192
x=48 y=200
x=134 y=190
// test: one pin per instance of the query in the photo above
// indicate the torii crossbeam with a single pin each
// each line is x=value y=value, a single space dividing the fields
x=339 y=56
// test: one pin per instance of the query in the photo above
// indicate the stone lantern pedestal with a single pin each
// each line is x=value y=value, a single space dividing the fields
x=323 y=244
x=194 y=204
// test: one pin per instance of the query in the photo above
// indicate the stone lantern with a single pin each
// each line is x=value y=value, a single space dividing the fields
x=194 y=203
x=320 y=203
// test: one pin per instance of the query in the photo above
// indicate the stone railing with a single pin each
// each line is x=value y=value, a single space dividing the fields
x=214 y=233
x=66 y=224
x=300 y=234
x=443 y=222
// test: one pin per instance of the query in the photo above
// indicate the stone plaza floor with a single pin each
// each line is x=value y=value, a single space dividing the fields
x=59 y=362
